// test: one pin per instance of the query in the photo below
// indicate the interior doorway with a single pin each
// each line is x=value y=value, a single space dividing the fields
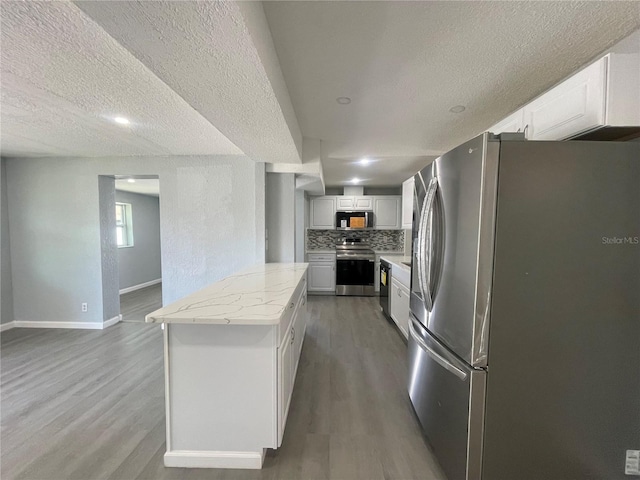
x=137 y=228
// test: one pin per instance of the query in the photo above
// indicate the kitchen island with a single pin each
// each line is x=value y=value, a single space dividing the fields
x=231 y=353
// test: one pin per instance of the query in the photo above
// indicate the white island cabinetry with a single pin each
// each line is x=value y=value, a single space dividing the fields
x=231 y=355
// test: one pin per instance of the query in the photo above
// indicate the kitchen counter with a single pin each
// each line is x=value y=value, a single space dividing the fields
x=231 y=352
x=255 y=296
x=399 y=270
x=396 y=261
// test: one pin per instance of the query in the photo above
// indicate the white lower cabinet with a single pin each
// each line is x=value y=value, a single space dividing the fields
x=288 y=359
x=322 y=273
x=285 y=382
x=399 y=305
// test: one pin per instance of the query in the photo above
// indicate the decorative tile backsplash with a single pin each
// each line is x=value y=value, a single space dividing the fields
x=389 y=240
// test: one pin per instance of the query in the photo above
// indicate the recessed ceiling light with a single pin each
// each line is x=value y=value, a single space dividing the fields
x=365 y=161
x=121 y=120
x=343 y=100
x=458 y=109
x=131 y=180
x=355 y=180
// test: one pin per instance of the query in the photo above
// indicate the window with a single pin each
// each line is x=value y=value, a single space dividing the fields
x=124 y=225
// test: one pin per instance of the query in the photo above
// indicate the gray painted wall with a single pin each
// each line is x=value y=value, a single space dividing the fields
x=280 y=217
x=210 y=209
x=300 y=225
x=108 y=247
x=6 y=293
x=141 y=263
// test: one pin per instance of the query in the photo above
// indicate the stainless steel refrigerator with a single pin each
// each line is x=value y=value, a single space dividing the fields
x=524 y=346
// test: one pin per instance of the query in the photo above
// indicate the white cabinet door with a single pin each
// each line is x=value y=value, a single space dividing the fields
x=345 y=203
x=285 y=381
x=387 y=212
x=575 y=106
x=322 y=277
x=323 y=212
x=299 y=328
x=363 y=203
x=393 y=299
x=399 y=300
x=513 y=123
x=407 y=203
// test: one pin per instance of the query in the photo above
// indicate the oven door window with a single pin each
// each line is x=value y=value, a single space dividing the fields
x=355 y=272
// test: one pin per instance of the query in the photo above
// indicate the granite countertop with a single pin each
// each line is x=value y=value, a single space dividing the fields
x=258 y=295
x=322 y=250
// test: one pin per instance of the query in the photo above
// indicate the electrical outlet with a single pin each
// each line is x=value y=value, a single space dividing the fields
x=84 y=307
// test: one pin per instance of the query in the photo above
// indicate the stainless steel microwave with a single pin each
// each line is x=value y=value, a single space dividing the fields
x=354 y=220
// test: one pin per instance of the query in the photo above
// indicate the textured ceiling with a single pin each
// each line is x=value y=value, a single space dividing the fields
x=405 y=64
x=218 y=56
x=224 y=78
x=380 y=171
x=64 y=79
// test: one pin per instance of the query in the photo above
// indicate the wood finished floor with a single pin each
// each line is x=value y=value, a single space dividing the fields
x=135 y=305
x=79 y=404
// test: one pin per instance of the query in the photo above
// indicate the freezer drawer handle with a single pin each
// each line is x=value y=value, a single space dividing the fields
x=439 y=359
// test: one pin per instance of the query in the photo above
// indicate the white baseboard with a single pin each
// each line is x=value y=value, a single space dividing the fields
x=79 y=325
x=208 y=459
x=111 y=321
x=7 y=326
x=141 y=285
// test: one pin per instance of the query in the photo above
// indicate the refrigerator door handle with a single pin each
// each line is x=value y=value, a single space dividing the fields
x=461 y=374
x=424 y=271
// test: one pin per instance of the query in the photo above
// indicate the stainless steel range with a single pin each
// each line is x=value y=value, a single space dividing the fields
x=355 y=262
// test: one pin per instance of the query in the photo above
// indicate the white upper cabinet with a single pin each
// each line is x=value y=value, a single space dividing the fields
x=605 y=93
x=387 y=212
x=513 y=123
x=363 y=203
x=407 y=203
x=323 y=212
x=575 y=106
x=346 y=203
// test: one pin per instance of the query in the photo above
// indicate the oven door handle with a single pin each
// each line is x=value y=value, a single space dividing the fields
x=354 y=257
